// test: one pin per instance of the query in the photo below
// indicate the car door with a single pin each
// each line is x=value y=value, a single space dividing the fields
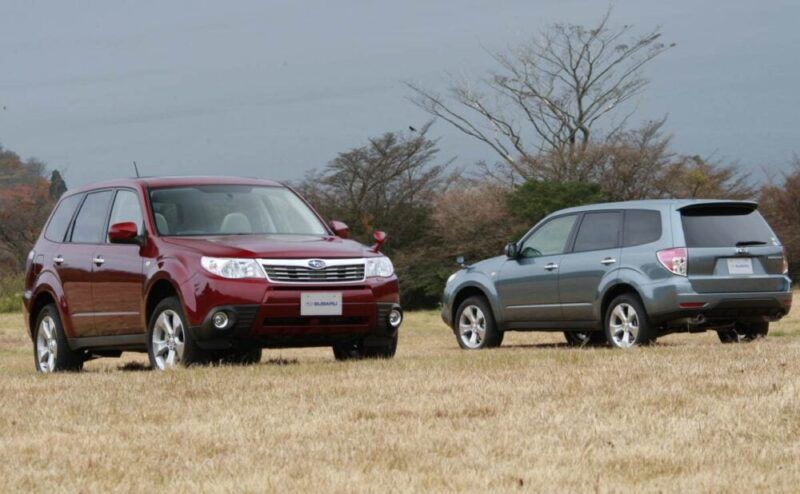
x=528 y=285
x=77 y=265
x=118 y=280
x=596 y=251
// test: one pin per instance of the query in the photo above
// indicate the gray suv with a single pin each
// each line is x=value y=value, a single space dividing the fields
x=626 y=273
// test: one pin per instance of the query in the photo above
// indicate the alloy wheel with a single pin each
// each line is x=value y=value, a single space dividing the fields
x=169 y=340
x=624 y=323
x=472 y=326
x=47 y=345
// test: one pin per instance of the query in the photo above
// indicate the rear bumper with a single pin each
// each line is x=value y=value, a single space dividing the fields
x=269 y=315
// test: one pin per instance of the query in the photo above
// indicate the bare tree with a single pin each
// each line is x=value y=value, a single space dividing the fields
x=549 y=93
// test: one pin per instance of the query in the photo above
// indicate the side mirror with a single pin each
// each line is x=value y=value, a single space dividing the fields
x=123 y=233
x=511 y=250
x=380 y=238
x=340 y=229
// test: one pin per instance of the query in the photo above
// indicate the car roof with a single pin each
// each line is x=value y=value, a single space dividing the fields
x=155 y=182
x=654 y=204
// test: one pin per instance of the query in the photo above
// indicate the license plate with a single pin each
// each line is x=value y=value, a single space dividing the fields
x=320 y=304
x=740 y=266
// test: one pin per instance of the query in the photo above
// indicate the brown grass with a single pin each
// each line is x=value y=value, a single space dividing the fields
x=689 y=414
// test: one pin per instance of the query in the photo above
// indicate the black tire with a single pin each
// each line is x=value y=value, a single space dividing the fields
x=744 y=332
x=52 y=353
x=585 y=338
x=361 y=349
x=643 y=334
x=249 y=356
x=191 y=354
x=482 y=317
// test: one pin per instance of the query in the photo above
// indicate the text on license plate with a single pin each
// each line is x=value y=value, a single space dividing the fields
x=740 y=266
x=321 y=304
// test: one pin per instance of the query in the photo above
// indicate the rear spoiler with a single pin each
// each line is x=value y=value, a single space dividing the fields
x=718 y=208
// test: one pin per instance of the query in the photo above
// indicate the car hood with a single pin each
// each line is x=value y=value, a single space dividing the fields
x=489 y=265
x=272 y=246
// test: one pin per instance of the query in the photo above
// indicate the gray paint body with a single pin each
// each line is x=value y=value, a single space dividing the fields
x=525 y=296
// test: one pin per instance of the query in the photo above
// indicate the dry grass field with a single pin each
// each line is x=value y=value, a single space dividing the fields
x=688 y=414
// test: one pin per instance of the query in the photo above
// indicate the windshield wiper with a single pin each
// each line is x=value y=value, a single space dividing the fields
x=745 y=243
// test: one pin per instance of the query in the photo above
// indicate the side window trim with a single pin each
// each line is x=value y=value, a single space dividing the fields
x=68 y=229
x=570 y=238
x=620 y=226
x=107 y=215
x=71 y=227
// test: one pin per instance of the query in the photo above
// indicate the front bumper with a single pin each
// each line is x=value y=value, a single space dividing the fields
x=269 y=315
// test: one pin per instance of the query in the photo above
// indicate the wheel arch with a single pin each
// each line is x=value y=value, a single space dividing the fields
x=159 y=290
x=39 y=301
x=470 y=290
x=612 y=292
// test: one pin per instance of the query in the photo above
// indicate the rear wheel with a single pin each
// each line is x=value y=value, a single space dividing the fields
x=585 y=338
x=744 y=332
x=50 y=347
x=169 y=341
x=627 y=324
x=475 y=326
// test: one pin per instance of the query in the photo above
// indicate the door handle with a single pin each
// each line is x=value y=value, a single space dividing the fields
x=58 y=260
x=98 y=260
x=608 y=260
x=551 y=266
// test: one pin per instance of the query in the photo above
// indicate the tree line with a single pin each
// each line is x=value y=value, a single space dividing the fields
x=556 y=114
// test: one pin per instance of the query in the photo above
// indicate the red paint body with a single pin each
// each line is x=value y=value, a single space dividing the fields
x=111 y=297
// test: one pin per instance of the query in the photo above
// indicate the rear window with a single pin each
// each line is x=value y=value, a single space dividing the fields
x=641 y=227
x=726 y=227
x=598 y=231
x=57 y=228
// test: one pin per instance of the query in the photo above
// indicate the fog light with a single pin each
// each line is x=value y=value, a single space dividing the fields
x=395 y=318
x=220 y=320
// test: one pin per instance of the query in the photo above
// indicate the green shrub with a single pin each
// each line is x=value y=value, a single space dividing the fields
x=11 y=292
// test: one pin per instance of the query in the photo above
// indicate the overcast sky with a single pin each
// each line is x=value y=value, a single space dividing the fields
x=272 y=89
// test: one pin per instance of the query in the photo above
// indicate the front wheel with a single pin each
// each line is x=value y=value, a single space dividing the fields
x=50 y=348
x=744 y=332
x=169 y=341
x=475 y=326
x=627 y=324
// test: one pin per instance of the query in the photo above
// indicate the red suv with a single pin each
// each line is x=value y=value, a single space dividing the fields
x=194 y=270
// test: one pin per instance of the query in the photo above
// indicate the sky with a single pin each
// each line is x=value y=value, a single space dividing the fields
x=273 y=89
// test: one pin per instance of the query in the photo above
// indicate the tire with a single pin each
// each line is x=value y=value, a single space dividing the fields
x=250 y=356
x=357 y=350
x=474 y=325
x=744 y=332
x=169 y=341
x=51 y=351
x=585 y=338
x=626 y=323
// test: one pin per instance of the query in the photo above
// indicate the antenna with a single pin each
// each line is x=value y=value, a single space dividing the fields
x=136 y=169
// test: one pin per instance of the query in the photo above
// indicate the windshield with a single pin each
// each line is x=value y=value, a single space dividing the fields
x=232 y=210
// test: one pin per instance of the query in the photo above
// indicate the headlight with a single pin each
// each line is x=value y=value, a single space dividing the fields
x=379 y=267
x=451 y=278
x=232 y=268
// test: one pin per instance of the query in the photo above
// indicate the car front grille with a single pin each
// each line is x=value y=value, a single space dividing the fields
x=298 y=271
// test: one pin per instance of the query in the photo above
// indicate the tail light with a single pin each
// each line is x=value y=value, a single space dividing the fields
x=675 y=260
x=785 y=262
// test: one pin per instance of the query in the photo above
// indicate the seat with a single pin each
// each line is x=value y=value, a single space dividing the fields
x=235 y=223
x=161 y=224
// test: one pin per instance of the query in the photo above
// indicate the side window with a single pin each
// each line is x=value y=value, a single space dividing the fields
x=598 y=231
x=127 y=209
x=551 y=238
x=59 y=222
x=641 y=227
x=91 y=221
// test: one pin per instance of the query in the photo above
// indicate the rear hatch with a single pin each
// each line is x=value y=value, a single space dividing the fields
x=731 y=248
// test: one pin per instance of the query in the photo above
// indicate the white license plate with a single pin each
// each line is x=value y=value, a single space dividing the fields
x=740 y=266
x=321 y=304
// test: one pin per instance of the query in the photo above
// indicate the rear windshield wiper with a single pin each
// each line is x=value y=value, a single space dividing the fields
x=745 y=243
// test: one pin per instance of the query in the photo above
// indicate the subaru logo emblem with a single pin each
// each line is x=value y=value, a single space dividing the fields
x=741 y=251
x=316 y=264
